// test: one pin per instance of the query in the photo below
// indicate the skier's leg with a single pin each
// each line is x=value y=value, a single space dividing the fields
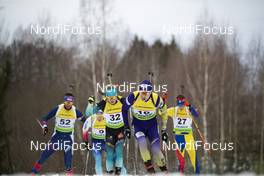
x=190 y=148
x=123 y=171
x=97 y=154
x=158 y=156
x=119 y=152
x=110 y=149
x=119 y=156
x=180 y=140
x=109 y=158
x=46 y=153
x=143 y=148
x=68 y=152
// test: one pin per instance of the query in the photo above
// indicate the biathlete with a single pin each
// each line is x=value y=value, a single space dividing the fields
x=111 y=105
x=145 y=105
x=62 y=139
x=182 y=121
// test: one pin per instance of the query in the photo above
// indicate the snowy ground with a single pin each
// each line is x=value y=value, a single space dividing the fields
x=170 y=174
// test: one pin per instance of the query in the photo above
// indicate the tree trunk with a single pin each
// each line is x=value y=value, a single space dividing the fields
x=205 y=107
x=235 y=128
x=94 y=79
x=222 y=115
x=262 y=135
x=103 y=68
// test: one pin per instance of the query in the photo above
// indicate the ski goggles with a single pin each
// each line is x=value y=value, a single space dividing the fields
x=145 y=88
x=69 y=98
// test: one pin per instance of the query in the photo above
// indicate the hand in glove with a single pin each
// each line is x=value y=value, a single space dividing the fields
x=127 y=132
x=45 y=130
x=91 y=99
x=164 y=136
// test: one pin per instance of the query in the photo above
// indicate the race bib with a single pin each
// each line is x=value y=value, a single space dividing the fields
x=143 y=115
x=64 y=124
x=114 y=120
x=98 y=133
x=182 y=123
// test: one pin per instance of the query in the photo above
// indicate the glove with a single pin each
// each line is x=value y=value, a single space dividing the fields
x=127 y=132
x=45 y=130
x=164 y=135
x=91 y=99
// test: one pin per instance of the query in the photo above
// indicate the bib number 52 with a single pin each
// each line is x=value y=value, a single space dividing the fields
x=65 y=121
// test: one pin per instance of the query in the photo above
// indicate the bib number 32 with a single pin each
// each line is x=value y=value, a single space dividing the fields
x=115 y=117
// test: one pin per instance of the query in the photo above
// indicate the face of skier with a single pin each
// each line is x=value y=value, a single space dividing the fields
x=181 y=102
x=100 y=117
x=68 y=104
x=112 y=99
x=144 y=95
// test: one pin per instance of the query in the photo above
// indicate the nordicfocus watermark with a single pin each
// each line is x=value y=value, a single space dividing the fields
x=62 y=146
x=197 y=29
x=198 y=144
x=67 y=145
x=62 y=29
x=127 y=87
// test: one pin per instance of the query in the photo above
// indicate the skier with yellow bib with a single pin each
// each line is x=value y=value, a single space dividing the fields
x=182 y=121
x=112 y=108
x=96 y=124
x=145 y=105
x=62 y=139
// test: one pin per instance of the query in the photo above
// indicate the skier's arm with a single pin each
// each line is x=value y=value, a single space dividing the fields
x=128 y=102
x=193 y=111
x=86 y=112
x=52 y=113
x=89 y=110
x=86 y=127
x=171 y=111
x=164 y=116
x=163 y=112
x=101 y=105
x=122 y=99
x=80 y=116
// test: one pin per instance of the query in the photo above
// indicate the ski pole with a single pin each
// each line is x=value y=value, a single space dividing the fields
x=150 y=76
x=86 y=162
x=164 y=97
x=71 y=87
x=39 y=123
x=109 y=76
x=201 y=135
x=88 y=152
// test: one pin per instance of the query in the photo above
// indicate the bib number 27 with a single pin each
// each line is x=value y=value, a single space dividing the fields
x=181 y=121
